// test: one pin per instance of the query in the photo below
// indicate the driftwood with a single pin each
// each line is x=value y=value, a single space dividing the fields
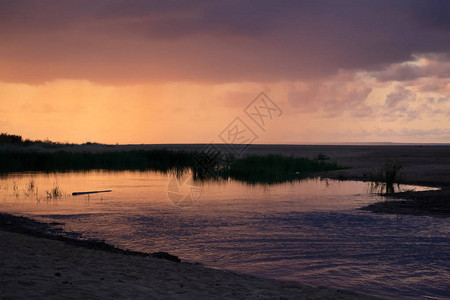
x=93 y=192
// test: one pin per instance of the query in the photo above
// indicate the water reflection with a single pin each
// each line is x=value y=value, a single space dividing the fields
x=383 y=188
x=309 y=230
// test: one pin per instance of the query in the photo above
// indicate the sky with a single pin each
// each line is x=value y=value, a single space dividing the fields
x=330 y=71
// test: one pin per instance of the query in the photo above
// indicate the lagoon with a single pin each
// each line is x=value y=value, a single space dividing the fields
x=310 y=231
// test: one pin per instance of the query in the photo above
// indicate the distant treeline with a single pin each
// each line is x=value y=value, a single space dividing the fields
x=254 y=169
x=10 y=139
x=17 y=140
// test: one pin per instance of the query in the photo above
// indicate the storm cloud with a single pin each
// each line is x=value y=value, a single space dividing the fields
x=216 y=41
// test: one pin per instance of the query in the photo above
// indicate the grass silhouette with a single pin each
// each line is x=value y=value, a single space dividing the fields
x=255 y=168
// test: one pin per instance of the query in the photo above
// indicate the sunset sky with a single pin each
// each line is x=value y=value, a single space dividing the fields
x=181 y=71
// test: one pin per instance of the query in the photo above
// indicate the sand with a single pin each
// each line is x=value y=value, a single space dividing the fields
x=40 y=268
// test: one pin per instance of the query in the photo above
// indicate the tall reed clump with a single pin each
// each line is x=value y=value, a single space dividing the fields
x=388 y=175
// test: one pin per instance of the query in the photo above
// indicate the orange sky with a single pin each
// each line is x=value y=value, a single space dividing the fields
x=153 y=73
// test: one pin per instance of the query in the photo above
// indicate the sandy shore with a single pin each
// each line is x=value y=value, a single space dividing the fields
x=44 y=268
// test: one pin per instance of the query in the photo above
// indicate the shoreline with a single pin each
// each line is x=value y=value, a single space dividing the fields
x=43 y=261
x=425 y=165
x=28 y=226
x=434 y=203
x=424 y=203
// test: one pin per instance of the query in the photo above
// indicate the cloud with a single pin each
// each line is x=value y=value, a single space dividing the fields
x=405 y=104
x=430 y=133
x=226 y=41
x=236 y=98
x=423 y=66
x=414 y=134
x=398 y=105
x=399 y=99
x=333 y=96
x=438 y=100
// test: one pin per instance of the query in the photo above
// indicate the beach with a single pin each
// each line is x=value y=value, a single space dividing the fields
x=36 y=265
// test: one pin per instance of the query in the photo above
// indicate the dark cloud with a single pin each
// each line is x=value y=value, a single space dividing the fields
x=433 y=14
x=435 y=66
x=129 y=41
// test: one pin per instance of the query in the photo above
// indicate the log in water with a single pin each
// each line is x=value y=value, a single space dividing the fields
x=92 y=192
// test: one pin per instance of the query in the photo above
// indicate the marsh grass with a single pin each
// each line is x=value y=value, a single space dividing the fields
x=322 y=156
x=55 y=192
x=159 y=160
x=254 y=168
x=31 y=185
x=270 y=168
x=386 y=177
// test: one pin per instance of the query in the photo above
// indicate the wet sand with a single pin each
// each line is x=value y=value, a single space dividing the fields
x=35 y=264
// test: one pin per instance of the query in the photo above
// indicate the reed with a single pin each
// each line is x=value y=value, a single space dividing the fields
x=276 y=168
x=386 y=176
x=254 y=168
x=160 y=160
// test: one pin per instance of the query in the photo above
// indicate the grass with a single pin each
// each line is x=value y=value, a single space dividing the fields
x=160 y=160
x=253 y=169
x=31 y=185
x=270 y=168
x=276 y=168
x=322 y=156
x=264 y=169
x=55 y=192
x=388 y=175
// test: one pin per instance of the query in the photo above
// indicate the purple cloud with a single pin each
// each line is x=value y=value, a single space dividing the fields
x=131 y=41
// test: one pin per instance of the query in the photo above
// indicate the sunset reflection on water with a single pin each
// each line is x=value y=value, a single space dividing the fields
x=309 y=231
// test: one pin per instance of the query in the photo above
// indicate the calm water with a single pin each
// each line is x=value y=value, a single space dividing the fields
x=308 y=231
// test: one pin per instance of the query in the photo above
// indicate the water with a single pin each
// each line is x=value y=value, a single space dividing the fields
x=307 y=231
